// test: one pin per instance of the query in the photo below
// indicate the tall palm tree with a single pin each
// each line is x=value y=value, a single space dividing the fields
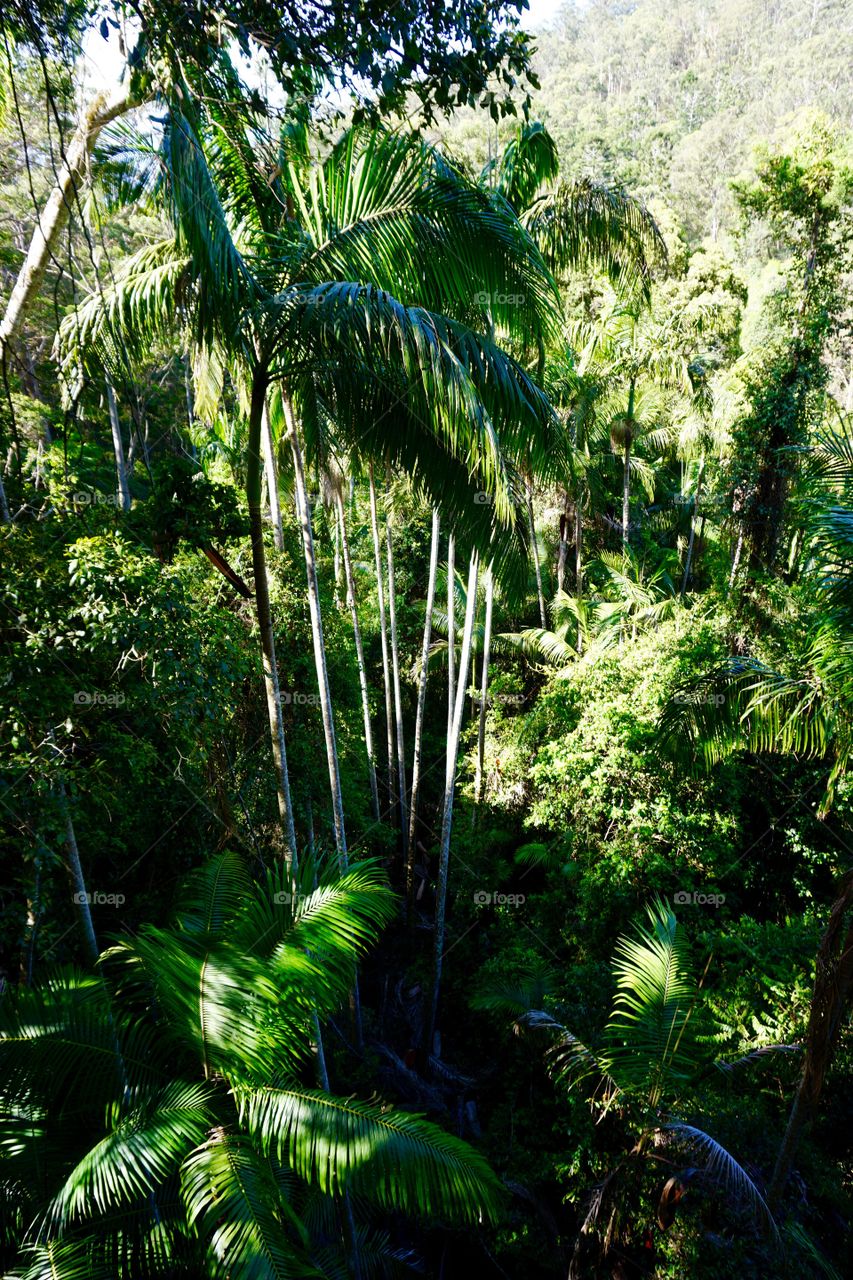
x=156 y=1117
x=288 y=257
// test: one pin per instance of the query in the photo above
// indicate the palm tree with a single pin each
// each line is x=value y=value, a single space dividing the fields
x=157 y=1119
x=648 y=1069
x=423 y=676
x=288 y=309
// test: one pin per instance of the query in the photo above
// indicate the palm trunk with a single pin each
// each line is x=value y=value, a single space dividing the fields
x=736 y=557
x=451 y=631
x=626 y=473
x=563 y=552
x=303 y=513
x=626 y=496
x=383 y=632
x=359 y=653
x=54 y=217
x=484 y=688
x=419 y=717
x=535 y=549
x=75 y=867
x=833 y=990
x=447 y=806
x=398 y=701
x=579 y=565
x=264 y=615
x=118 y=449
x=272 y=480
x=5 y=514
x=691 y=542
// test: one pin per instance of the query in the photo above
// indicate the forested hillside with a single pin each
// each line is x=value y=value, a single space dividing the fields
x=426 y=641
x=670 y=98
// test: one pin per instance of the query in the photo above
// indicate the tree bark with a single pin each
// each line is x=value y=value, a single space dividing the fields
x=535 y=549
x=626 y=472
x=303 y=513
x=272 y=480
x=833 y=990
x=690 y=544
x=451 y=631
x=398 y=701
x=579 y=566
x=419 y=716
x=82 y=901
x=54 y=217
x=383 y=632
x=562 y=554
x=484 y=688
x=264 y=615
x=118 y=449
x=447 y=806
x=359 y=653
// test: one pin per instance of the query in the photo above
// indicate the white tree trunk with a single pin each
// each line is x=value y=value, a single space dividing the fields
x=535 y=549
x=398 y=701
x=303 y=513
x=359 y=653
x=447 y=806
x=271 y=473
x=54 y=217
x=118 y=449
x=451 y=631
x=264 y=616
x=383 y=633
x=484 y=688
x=419 y=717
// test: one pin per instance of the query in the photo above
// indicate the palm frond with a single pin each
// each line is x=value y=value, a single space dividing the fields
x=393 y=1158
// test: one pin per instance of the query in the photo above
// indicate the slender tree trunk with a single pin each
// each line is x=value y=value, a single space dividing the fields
x=626 y=472
x=383 y=632
x=359 y=653
x=81 y=897
x=833 y=990
x=303 y=513
x=447 y=806
x=689 y=560
x=419 y=717
x=830 y=999
x=264 y=615
x=398 y=701
x=272 y=480
x=562 y=554
x=451 y=631
x=579 y=565
x=737 y=556
x=118 y=449
x=484 y=688
x=535 y=549
x=5 y=514
x=54 y=217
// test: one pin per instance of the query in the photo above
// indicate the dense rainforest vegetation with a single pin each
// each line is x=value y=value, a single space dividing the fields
x=426 y=640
